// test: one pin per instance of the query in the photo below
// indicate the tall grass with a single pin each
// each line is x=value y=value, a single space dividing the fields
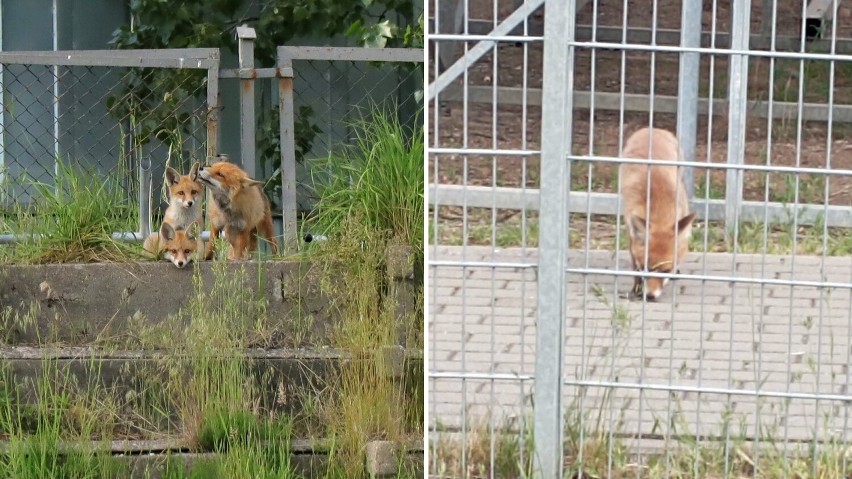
x=72 y=221
x=366 y=400
x=378 y=179
x=35 y=429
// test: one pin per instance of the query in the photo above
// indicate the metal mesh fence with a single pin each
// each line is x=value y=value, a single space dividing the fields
x=106 y=116
x=741 y=367
x=331 y=97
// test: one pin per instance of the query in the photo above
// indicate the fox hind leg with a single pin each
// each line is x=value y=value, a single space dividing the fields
x=267 y=230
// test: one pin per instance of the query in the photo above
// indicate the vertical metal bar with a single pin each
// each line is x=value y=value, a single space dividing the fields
x=3 y=197
x=55 y=70
x=246 y=36
x=212 y=117
x=767 y=12
x=737 y=94
x=557 y=90
x=213 y=111
x=144 y=191
x=287 y=121
x=687 y=88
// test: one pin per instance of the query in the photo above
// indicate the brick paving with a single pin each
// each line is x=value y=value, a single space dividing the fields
x=700 y=334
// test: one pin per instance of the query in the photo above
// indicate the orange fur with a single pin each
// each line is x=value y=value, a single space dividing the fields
x=184 y=198
x=665 y=222
x=177 y=245
x=237 y=206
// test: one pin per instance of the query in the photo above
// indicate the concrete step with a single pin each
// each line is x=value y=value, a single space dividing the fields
x=287 y=380
x=83 y=304
x=308 y=457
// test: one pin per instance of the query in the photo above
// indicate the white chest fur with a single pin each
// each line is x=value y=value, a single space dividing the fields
x=182 y=217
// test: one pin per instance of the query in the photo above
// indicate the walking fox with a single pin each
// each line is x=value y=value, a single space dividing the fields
x=237 y=206
x=663 y=224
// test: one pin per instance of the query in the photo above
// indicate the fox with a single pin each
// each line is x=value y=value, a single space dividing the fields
x=665 y=223
x=178 y=245
x=238 y=207
x=184 y=198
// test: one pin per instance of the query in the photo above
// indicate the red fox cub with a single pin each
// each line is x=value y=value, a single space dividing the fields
x=178 y=245
x=237 y=206
x=184 y=198
x=666 y=220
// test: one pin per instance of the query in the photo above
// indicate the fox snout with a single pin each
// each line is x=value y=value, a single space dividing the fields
x=652 y=288
x=188 y=203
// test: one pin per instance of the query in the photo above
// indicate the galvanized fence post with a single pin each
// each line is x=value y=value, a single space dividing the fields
x=738 y=109
x=144 y=191
x=246 y=36
x=557 y=105
x=287 y=119
x=687 y=98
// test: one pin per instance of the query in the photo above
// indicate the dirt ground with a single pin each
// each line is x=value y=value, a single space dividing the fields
x=514 y=127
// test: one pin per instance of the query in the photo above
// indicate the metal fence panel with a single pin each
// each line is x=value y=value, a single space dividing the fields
x=329 y=91
x=482 y=258
x=119 y=112
x=741 y=367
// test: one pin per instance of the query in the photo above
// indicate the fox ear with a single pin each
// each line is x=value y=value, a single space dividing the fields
x=247 y=182
x=193 y=172
x=167 y=232
x=685 y=223
x=172 y=175
x=637 y=228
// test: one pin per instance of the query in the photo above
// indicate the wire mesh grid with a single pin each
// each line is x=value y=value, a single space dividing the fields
x=741 y=367
x=104 y=118
x=482 y=253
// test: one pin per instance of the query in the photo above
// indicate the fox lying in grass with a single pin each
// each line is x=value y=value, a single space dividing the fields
x=177 y=245
x=237 y=206
x=664 y=225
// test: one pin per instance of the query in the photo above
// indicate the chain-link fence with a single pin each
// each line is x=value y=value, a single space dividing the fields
x=128 y=114
x=122 y=114
x=331 y=91
x=740 y=368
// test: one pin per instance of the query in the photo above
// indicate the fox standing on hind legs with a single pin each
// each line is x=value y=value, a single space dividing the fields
x=237 y=206
x=665 y=222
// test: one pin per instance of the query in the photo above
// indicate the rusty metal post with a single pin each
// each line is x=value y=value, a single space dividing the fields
x=246 y=36
x=212 y=128
x=288 y=149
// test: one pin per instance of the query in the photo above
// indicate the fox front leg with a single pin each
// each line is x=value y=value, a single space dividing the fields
x=637 y=286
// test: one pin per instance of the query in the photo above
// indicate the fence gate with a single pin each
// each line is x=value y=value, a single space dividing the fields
x=741 y=367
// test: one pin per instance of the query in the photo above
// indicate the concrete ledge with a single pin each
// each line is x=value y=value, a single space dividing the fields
x=285 y=379
x=79 y=304
x=308 y=458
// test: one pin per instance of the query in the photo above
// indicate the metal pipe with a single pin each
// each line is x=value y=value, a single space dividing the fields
x=246 y=36
x=737 y=112
x=558 y=86
x=687 y=98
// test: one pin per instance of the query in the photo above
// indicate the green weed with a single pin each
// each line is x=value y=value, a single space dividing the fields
x=379 y=179
x=73 y=220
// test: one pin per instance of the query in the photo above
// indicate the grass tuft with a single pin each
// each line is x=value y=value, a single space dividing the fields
x=72 y=221
x=378 y=179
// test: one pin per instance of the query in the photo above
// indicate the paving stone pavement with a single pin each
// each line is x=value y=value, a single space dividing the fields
x=709 y=334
